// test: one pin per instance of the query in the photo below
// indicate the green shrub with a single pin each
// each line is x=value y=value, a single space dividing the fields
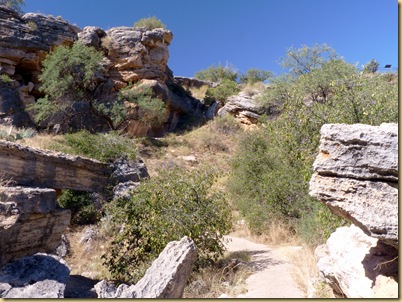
x=5 y=78
x=217 y=73
x=105 y=147
x=152 y=110
x=81 y=205
x=273 y=166
x=149 y=23
x=254 y=75
x=69 y=75
x=174 y=204
x=222 y=92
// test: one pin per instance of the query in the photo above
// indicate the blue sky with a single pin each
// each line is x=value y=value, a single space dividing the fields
x=247 y=33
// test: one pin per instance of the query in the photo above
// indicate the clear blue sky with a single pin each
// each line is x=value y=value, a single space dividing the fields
x=247 y=33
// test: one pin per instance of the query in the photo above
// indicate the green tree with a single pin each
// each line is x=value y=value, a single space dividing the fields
x=69 y=75
x=13 y=4
x=217 y=73
x=303 y=60
x=371 y=67
x=174 y=204
x=254 y=75
x=149 y=23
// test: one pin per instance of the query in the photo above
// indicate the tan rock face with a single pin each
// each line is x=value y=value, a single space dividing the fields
x=138 y=54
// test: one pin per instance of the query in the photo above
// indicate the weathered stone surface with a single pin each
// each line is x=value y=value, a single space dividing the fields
x=243 y=106
x=358 y=151
x=30 y=222
x=38 y=276
x=356 y=174
x=91 y=36
x=124 y=171
x=358 y=266
x=371 y=205
x=166 y=278
x=138 y=54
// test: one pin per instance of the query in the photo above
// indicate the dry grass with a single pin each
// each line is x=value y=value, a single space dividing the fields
x=199 y=93
x=227 y=276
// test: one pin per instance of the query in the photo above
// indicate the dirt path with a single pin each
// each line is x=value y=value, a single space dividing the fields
x=272 y=277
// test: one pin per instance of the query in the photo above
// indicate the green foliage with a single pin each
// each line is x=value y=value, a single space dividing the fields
x=149 y=23
x=68 y=76
x=303 y=60
x=217 y=73
x=151 y=110
x=371 y=67
x=13 y=4
x=81 y=205
x=5 y=78
x=13 y=136
x=174 y=204
x=273 y=166
x=222 y=92
x=254 y=75
x=105 y=147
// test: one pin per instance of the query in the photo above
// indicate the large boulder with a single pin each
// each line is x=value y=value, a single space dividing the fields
x=38 y=276
x=166 y=278
x=358 y=266
x=30 y=222
x=244 y=106
x=356 y=176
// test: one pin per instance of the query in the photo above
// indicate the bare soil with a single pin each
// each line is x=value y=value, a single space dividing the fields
x=272 y=276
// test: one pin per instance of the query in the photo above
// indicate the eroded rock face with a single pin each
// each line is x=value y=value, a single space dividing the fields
x=166 y=278
x=358 y=266
x=243 y=106
x=30 y=222
x=38 y=276
x=138 y=53
x=356 y=174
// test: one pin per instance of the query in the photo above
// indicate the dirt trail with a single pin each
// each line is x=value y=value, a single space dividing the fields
x=272 y=276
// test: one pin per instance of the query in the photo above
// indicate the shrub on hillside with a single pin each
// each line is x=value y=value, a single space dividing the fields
x=222 y=92
x=217 y=73
x=81 y=204
x=69 y=75
x=174 y=204
x=254 y=75
x=149 y=23
x=273 y=166
x=106 y=147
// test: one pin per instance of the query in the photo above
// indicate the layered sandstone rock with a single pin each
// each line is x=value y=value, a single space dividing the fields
x=30 y=222
x=356 y=176
x=244 y=106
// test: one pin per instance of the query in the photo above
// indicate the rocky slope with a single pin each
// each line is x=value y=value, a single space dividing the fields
x=356 y=176
x=131 y=56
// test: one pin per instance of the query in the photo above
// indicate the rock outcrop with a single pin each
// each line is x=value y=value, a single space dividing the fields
x=30 y=222
x=356 y=176
x=166 y=278
x=358 y=266
x=244 y=106
x=38 y=276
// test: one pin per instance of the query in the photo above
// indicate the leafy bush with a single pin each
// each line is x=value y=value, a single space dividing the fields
x=222 y=92
x=106 y=147
x=81 y=205
x=254 y=75
x=273 y=166
x=5 y=78
x=151 y=110
x=69 y=75
x=18 y=134
x=217 y=73
x=149 y=23
x=174 y=204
